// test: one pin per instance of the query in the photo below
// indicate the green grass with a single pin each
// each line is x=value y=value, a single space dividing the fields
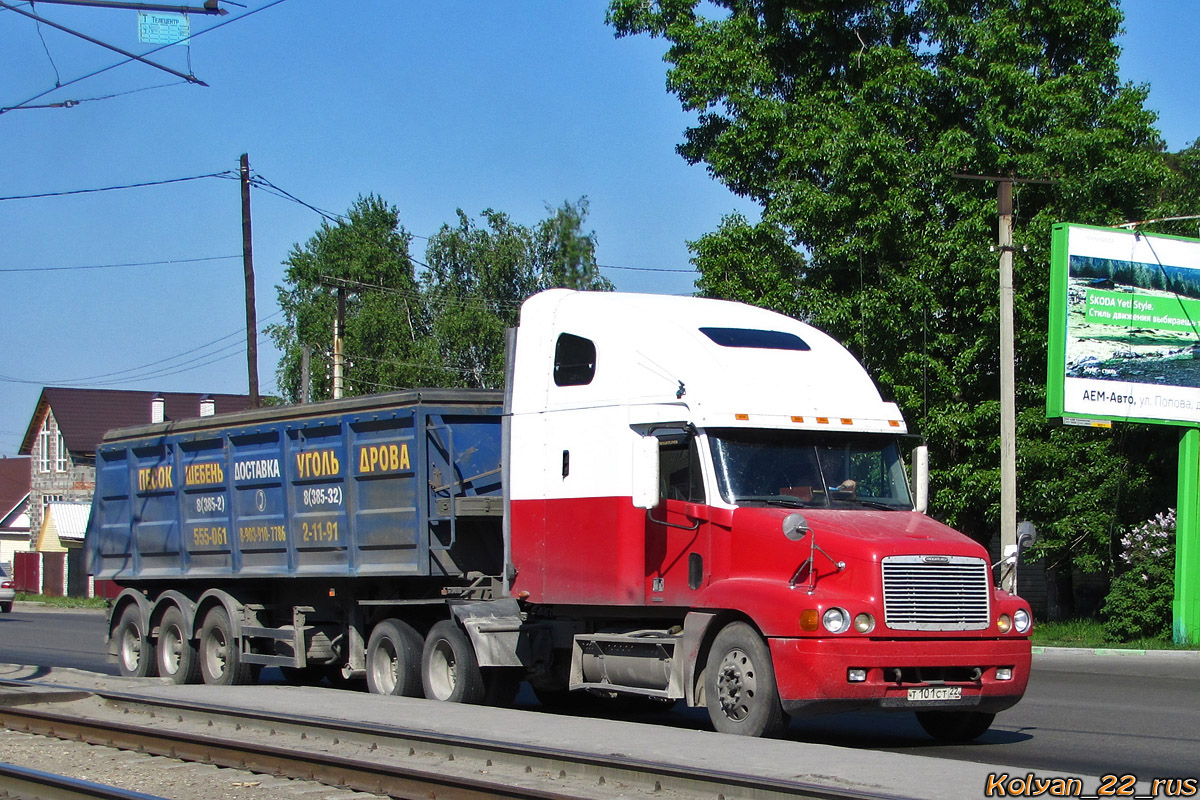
x=63 y=602
x=1089 y=633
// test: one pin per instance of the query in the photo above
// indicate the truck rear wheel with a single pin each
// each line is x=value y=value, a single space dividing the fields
x=739 y=684
x=135 y=651
x=220 y=656
x=394 y=659
x=449 y=668
x=955 y=726
x=177 y=659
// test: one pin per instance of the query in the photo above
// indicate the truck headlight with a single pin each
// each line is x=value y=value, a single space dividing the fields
x=836 y=620
x=1021 y=620
x=864 y=623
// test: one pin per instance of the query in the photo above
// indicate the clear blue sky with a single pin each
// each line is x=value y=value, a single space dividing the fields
x=432 y=105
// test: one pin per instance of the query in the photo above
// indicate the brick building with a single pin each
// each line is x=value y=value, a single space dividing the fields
x=69 y=424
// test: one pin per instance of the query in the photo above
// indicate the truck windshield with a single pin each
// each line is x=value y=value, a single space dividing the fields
x=809 y=469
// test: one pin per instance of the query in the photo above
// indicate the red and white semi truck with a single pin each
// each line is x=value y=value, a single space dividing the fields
x=674 y=499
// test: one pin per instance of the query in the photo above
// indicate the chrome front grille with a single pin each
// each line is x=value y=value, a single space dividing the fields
x=936 y=593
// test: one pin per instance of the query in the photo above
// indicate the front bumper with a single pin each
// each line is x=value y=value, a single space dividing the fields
x=812 y=673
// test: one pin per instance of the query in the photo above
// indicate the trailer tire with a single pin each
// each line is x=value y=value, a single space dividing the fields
x=449 y=669
x=955 y=726
x=739 y=684
x=394 y=659
x=177 y=657
x=135 y=651
x=220 y=655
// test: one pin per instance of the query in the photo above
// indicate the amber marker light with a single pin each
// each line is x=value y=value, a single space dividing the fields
x=847 y=421
x=895 y=423
x=1004 y=623
x=742 y=417
x=797 y=419
x=810 y=619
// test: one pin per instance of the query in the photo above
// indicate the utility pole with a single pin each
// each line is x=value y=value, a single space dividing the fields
x=248 y=269
x=1008 y=390
x=1008 y=383
x=339 y=334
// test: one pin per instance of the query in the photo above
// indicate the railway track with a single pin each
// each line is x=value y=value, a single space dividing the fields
x=385 y=760
x=22 y=783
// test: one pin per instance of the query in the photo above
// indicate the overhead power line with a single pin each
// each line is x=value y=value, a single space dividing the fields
x=116 y=266
x=143 y=184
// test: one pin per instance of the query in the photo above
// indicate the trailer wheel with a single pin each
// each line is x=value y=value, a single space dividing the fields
x=394 y=659
x=955 y=726
x=220 y=657
x=135 y=651
x=177 y=659
x=449 y=669
x=739 y=684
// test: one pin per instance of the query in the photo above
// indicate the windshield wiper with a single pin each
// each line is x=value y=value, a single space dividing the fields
x=786 y=502
x=869 y=504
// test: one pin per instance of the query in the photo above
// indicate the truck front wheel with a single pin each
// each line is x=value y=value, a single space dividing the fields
x=739 y=684
x=449 y=668
x=955 y=726
x=220 y=658
x=135 y=651
x=176 y=654
x=394 y=659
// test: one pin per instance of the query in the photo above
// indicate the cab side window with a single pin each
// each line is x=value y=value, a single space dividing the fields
x=574 y=360
x=679 y=476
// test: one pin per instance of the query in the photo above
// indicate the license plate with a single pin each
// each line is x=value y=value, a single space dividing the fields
x=933 y=693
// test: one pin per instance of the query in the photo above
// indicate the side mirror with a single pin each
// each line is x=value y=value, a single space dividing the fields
x=645 y=473
x=920 y=478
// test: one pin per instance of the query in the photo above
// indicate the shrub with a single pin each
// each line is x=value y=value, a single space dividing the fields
x=1139 y=602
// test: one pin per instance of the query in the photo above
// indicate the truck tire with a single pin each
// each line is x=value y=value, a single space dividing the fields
x=220 y=656
x=135 y=651
x=394 y=659
x=5 y=607
x=177 y=658
x=739 y=684
x=449 y=668
x=955 y=726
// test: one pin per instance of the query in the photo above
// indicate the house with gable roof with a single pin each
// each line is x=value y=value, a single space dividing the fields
x=68 y=425
x=14 y=507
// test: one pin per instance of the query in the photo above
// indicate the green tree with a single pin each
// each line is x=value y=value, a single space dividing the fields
x=849 y=122
x=479 y=274
x=366 y=255
x=442 y=326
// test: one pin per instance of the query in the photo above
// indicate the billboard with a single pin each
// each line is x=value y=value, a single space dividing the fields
x=1124 y=339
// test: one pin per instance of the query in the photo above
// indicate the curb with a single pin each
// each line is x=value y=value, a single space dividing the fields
x=1110 y=651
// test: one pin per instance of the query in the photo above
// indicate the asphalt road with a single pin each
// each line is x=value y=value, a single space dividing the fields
x=1084 y=714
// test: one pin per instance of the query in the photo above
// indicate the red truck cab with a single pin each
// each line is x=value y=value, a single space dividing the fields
x=708 y=502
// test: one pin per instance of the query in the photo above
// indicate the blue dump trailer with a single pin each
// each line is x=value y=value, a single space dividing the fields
x=276 y=537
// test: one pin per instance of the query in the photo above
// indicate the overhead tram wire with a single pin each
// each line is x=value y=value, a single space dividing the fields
x=61 y=85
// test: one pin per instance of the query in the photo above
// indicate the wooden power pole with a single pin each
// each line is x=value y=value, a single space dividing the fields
x=248 y=268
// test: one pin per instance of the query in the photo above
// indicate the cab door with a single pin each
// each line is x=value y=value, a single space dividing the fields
x=677 y=530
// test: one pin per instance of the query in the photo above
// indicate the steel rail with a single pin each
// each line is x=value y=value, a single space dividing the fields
x=494 y=765
x=22 y=782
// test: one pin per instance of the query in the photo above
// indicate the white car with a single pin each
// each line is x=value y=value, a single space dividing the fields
x=7 y=592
